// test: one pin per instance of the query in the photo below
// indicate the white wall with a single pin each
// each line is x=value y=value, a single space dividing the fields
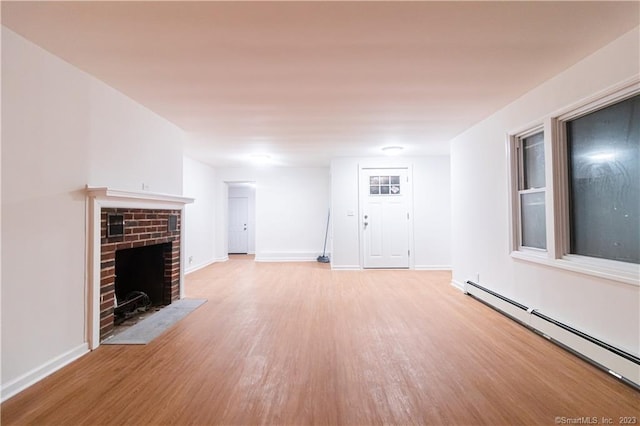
x=431 y=210
x=605 y=309
x=248 y=192
x=62 y=129
x=198 y=182
x=131 y=146
x=344 y=233
x=291 y=209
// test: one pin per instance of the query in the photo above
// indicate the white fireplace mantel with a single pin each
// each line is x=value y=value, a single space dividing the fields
x=105 y=197
x=106 y=193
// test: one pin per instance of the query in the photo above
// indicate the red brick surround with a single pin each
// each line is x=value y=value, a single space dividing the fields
x=143 y=227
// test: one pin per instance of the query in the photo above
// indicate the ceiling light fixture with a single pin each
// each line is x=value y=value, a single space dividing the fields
x=392 y=150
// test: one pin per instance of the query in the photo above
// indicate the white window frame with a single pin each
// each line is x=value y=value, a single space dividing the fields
x=517 y=170
x=557 y=191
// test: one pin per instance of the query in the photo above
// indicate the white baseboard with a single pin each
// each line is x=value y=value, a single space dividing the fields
x=21 y=383
x=458 y=285
x=205 y=264
x=432 y=267
x=286 y=257
x=345 y=267
x=416 y=268
x=191 y=269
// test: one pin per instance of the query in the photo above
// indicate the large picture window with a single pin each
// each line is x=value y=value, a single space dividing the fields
x=575 y=188
x=604 y=182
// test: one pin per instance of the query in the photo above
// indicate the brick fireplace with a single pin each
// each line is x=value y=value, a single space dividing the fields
x=142 y=228
x=121 y=224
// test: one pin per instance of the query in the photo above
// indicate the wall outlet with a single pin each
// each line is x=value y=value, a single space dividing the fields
x=145 y=187
x=190 y=260
x=477 y=277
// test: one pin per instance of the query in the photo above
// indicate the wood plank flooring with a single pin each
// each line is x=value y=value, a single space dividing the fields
x=299 y=344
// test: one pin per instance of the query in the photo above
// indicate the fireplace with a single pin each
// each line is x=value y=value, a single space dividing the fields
x=122 y=220
x=139 y=253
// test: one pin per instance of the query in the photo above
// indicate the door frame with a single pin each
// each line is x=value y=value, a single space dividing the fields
x=247 y=225
x=252 y=220
x=384 y=163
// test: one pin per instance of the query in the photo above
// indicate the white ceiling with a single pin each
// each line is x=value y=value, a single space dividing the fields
x=309 y=81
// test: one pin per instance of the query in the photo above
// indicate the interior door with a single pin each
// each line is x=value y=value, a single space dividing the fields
x=384 y=217
x=238 y=219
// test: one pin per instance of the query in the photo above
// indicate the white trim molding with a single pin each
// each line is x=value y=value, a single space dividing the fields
x=195 y=268
x=346 y=267
x=458 y=285
x=432 y=268
x=187 y=271
x=276 y=256
x=107 y=193
x=627 y=273
x=21 y=383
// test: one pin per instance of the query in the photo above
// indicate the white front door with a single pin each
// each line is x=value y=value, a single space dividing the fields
x=385 y=196
x=238 y=220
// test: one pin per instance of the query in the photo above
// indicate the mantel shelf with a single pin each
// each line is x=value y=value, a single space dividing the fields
x=110 y=193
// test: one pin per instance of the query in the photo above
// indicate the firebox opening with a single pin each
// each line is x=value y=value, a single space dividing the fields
x=140 y=278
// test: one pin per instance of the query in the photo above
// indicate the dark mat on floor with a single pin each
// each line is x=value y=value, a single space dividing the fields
x=153 y=326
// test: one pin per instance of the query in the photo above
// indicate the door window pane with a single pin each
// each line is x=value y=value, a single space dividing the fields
x=384 y=185
x=534 y=229
x=604 y=178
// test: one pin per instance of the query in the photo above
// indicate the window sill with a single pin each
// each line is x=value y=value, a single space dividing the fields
x=627 y=273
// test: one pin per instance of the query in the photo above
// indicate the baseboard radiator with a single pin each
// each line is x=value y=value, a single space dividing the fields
x=617 y=362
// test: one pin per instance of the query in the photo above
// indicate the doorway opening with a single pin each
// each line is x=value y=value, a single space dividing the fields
x=241 y=214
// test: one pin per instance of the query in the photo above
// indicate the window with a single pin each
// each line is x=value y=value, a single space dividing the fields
x=603 y=150
x=531 y=191
x=575 y=188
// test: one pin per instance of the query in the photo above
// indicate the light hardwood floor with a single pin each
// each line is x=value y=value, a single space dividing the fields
x=298 y=344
